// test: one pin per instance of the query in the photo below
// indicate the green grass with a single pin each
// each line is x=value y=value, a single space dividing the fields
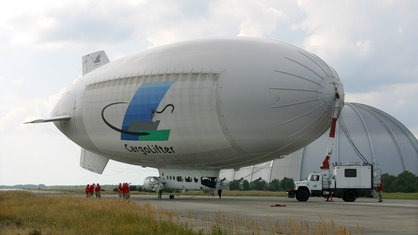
x=413 y=196
x=26 y=213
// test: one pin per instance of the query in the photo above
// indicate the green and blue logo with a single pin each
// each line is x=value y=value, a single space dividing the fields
x=138 y=124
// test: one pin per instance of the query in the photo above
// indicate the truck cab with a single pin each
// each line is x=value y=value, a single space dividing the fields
x=313 y=185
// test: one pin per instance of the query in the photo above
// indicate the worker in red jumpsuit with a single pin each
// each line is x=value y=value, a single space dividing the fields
x=120 y=190
x=380 y=192
x=98 y=190
x=91 y=190
x=325 y=163
x=126 y=194
x=87 y=191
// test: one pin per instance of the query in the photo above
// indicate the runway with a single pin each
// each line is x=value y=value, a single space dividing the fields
x=362 y=216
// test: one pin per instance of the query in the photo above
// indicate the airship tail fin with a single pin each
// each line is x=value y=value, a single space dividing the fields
x=94 y=60
x=92 y=161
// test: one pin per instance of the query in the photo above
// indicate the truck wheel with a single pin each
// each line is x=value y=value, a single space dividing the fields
x=302 y=195
x=349 y=196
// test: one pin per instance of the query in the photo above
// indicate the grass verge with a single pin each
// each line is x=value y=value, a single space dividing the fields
x=413 y=196
x=26 y=213
x=23 y=212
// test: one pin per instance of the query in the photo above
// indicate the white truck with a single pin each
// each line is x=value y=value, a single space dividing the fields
x=342 y=181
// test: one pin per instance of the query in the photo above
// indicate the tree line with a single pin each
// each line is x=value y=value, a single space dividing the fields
x=262 y=185
x=406 y=182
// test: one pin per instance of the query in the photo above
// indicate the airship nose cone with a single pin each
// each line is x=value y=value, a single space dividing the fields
x=304 y=95
x=332 y=90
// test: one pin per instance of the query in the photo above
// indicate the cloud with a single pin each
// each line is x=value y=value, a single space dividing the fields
x=52 y=24
x=24 y=148
x=17 y=109
x=58 y=23
x=367 y=42
x=398 y=100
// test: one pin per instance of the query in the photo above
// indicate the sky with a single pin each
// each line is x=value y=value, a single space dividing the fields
x=371 y=44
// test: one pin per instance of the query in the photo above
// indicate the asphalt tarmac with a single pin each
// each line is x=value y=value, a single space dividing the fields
x=269 y=215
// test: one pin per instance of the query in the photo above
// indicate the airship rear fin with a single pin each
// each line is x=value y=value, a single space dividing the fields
x=92 y=161
x=93 y=61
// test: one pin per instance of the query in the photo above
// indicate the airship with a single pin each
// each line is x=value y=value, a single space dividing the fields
x=192 y=108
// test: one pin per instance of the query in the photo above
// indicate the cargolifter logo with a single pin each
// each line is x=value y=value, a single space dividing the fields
x=137 y=123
